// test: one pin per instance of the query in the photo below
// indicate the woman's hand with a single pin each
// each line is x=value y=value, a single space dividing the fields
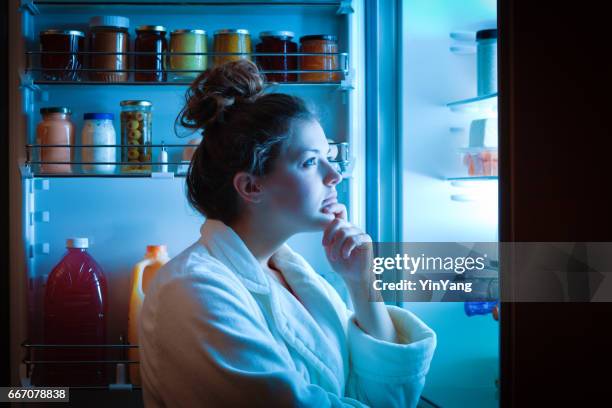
x=348 y=249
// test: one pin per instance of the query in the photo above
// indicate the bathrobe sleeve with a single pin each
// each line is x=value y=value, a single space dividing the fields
x=385 y=374
x=216 y=350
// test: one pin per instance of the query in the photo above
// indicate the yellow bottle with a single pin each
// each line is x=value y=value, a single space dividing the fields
x=144 y=271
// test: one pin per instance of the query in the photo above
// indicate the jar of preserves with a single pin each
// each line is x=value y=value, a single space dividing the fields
x=98 y=130
x=61 y=58
x=186 y=40
x=232 y=41
x=150 y=67
x=56 y=128
x=277 y=42
x=319 y=44
x=136 y=135
x=108 y=46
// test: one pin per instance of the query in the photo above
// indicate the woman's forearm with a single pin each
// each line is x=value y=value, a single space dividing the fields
x=373 y=317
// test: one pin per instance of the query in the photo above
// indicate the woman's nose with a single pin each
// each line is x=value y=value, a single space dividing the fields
x=333 y=176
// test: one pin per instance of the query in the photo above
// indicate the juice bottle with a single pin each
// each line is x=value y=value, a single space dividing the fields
x=75 y=307
x=144 y=271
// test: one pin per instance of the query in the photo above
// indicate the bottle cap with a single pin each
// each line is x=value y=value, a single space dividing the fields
x=77 y=243
x=55 y=109
x=323 y=37
x=156 y=249
x=486 y=34
x=88 y=116
x=277 y=34
x=232 y=31
x=109 y=21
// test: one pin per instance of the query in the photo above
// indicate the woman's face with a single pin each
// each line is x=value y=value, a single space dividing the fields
x=302 y=182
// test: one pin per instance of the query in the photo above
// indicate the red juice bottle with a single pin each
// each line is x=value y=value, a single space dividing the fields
x=75 y=308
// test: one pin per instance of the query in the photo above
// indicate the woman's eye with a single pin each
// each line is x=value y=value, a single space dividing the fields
x=310 y=162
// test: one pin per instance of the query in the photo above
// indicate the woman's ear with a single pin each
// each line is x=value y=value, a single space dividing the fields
x=248 y=187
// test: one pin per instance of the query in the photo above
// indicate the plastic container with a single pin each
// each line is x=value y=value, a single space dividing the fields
x=150 y=39
x=75 y=307
x=98 y=130
x=320 y=44
x=155 y=257
x=67 y=65
x=486 y=62
x=481 y=162
x=278 y=42
x=232 y=40
x=109 y=35
x=136 y=135
x=56 y=128
x=188 y=41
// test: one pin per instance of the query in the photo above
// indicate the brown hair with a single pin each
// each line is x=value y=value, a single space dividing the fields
x=244 y=130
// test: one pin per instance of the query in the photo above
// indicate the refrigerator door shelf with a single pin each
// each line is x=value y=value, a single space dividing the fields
x=485 y=106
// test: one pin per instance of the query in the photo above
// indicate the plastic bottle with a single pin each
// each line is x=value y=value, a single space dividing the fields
x=75 y=307
x=144 y=271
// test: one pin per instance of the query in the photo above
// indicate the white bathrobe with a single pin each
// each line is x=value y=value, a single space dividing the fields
x=216 y=330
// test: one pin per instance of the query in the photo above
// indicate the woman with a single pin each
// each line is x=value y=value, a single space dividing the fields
x=240 y=319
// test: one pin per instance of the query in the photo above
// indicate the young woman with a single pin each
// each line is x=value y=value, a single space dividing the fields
x=239 y=318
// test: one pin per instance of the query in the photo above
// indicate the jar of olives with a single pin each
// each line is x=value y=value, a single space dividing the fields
x=136 y=135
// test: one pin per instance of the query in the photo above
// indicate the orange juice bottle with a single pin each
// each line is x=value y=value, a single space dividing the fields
x=144 y=271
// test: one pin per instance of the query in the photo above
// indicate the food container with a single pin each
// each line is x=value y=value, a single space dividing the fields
x=150 y=67
x=136 y=135
x=109 y=36
x=188 y=41
x=232 y=40
x=61 y=58
x=278 y=42
x=486 y=62
x=481 y=162
x=56 y=128
x=320 y=44
x=98 y=130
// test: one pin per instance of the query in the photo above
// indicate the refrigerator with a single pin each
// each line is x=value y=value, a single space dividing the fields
x=401 y=110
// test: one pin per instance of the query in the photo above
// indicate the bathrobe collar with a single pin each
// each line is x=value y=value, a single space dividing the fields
x=315 y=344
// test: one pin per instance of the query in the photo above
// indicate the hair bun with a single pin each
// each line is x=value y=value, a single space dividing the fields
x=215 y=90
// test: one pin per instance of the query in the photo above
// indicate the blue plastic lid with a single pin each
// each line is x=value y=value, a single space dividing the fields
x=87 y=116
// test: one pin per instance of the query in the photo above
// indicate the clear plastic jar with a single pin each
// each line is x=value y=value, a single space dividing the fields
x=320 y=44
x=109 y=35
x=136 y=135
x=67 y=65
x=188 y=41
x=56 y=128
x=150 y=39
x=277 y=42
x=98 y=130
x=232 y=40
x=486 y=61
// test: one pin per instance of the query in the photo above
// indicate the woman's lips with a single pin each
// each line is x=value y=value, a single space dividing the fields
x=330 y=200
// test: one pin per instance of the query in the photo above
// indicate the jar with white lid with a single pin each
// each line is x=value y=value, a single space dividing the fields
x=98 y=130
x=486 y=61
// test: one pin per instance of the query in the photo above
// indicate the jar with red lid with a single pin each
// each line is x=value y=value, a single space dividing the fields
x=150 y=67
x=319 y=44
x=277 y=42
x=61 y=58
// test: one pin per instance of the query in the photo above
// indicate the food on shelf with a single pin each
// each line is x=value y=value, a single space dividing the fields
x=188 y=41
x=98 y=130
x=136 y=130
x=150 y=67
x=75 y=308
x=109 y=35
x=277 y=42
x=56 y=128
x=321 y=44
x=61 y=58
x=232 y=41
x=144 y=271
x=481 y=163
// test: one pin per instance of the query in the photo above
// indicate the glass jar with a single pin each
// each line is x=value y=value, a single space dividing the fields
x=98 y=130
x=232 y=40
x=136 y=135
x=188 y=41
x=109 y=35
x=486 y=61
x=150 y=39
x=67 y=65
x=56 y=128
x=321 y=44
x=277 y=42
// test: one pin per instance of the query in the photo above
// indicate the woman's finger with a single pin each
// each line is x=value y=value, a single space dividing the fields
x=338 y=209
x=353 y=242
x=330 y=230
x=341 y=236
